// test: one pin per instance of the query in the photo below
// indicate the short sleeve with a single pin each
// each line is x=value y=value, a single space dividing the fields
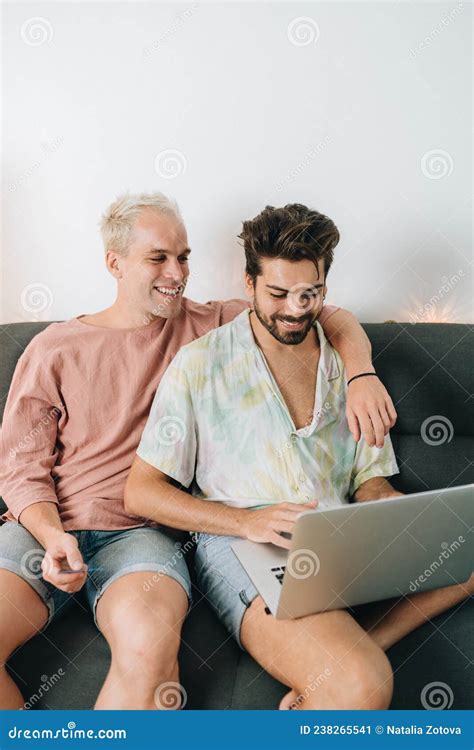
x=372 y=462
x=169 y=441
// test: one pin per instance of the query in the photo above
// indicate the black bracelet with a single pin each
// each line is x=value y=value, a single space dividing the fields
x=362 y=375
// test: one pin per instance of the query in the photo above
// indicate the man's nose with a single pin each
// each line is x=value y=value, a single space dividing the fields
x=298 y=304
x=293 y=308
x=174 y=271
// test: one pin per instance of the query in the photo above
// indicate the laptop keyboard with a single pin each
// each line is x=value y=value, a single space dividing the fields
x=279 y=572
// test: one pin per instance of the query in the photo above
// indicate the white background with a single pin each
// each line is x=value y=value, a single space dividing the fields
x=341 y=112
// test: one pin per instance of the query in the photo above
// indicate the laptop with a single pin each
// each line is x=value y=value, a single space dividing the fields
x=364 y=552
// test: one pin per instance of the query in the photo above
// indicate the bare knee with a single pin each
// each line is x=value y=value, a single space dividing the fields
x=369 y=682
x=142 y=626
x=145 y=644
x=365 y=681
x=371 y=686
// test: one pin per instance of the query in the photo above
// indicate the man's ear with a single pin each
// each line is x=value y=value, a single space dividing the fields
x=249 y=287
x=112 y=261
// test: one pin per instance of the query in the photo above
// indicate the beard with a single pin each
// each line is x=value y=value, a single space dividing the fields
x=286 y=337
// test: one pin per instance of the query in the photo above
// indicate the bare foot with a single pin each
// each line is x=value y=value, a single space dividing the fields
x=288 y=700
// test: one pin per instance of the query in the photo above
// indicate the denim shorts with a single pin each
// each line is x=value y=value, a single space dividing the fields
x=108 y=554
x=223 y=581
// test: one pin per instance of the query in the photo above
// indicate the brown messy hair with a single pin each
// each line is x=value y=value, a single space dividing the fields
x=293 y=232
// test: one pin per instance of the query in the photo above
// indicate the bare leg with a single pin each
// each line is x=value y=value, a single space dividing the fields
x=22 y=615
x=327 y=659
x=143 y=630
x=388 y=622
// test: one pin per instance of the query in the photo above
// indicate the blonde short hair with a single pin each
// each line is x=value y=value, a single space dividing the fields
x=117 y=221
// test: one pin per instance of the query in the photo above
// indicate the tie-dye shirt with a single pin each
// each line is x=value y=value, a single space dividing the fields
x=219 y=424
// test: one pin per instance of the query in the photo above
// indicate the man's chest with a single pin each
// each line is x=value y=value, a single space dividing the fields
x=296 y=381
x=111 y=393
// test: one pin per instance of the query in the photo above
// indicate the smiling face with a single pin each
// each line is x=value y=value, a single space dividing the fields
x=287 y=297
x=153 y=274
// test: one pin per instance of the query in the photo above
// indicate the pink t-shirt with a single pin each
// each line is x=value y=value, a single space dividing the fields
x=77 y=406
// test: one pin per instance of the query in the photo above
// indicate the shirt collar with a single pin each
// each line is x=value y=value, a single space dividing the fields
x=326 y=395
x=245 y=339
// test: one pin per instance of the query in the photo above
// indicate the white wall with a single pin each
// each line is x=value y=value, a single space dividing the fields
x=348 y=123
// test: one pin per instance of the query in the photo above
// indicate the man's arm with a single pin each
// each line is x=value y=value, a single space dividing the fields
x=149 y=493
x=28 y=450
x=375 y=489
x=28 y=453
x=62 y=551
x=370 y=410
x=42 y=521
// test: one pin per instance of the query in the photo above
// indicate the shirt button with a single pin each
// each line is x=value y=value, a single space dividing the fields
x=302 y=478
x=293 y=437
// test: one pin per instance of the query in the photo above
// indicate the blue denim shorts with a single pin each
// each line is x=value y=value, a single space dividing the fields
x=223 y=581
x=108 y=554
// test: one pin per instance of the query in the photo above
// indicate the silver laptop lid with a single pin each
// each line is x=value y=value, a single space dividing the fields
x=374 y=550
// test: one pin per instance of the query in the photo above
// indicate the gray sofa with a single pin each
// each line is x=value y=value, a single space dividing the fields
x=427 y=368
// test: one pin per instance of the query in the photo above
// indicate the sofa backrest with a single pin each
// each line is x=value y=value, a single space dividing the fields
x=427 y=369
